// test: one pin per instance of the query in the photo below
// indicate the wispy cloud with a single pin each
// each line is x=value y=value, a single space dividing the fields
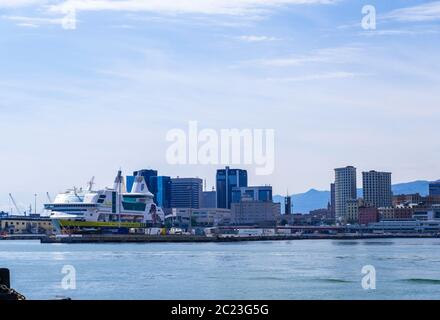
x=424 y=12
x=327 y=55
x=319 y=76
x=254 y=38
x=20 y=3
x=34 y=22
x=226 y=7
x=399 y=32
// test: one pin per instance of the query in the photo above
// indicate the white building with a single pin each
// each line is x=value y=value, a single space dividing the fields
x=345 y=190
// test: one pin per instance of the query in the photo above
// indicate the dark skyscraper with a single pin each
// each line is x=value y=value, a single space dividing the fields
x=288 y=205
x=186 y=193
x=434 y=188
x=227 y=179
x=333 y=199
x=163 y=196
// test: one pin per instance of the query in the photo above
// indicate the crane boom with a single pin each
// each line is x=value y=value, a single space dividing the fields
x=15 y=204
x=90 y=184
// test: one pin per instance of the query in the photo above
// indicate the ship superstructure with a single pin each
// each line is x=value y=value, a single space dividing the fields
x=108 y=210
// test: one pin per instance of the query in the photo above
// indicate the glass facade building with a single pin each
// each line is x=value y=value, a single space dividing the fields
x=163 y=196
x=226 y=180
x=252 y=193
x=434 y=188
x=186 y=193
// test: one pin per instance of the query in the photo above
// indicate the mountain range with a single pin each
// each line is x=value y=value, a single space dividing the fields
x=316 y=199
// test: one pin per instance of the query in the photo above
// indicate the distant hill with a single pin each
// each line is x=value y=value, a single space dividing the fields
x=305 y=202
x=315 y=199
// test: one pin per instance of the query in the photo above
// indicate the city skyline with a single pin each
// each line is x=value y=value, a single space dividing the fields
x=86 y=102
x=126 y=175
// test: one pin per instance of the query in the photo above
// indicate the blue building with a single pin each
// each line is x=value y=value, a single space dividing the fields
x=227 y=179
x=163 y=196
x=209 y=200
x=130 y=182
x=186 y=193
x=434 y=188
x=260 y=193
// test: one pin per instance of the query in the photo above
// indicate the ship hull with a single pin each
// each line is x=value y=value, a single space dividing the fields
x=81 y=227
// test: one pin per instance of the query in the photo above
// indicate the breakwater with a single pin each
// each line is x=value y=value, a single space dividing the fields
x=192 y=238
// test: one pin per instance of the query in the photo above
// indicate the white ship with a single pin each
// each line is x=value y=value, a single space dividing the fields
x=110 y=210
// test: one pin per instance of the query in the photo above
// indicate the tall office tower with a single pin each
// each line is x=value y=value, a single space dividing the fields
x=129 y=182
x=377 y=189
x=345 y=190
x=227 y=179
x=186 y=193
x=163 y=186
x=287 y=205
x=434 y=188
x=333 y=199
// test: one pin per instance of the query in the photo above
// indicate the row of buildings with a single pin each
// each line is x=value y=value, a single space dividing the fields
x=232 y=202
x=236 y=203
x=378 y=202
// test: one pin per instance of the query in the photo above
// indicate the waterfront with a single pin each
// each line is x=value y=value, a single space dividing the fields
x=316 y=269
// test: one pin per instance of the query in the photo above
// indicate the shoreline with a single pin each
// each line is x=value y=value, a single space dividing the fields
x=204 y=239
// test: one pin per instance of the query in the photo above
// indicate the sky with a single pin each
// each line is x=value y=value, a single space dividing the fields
x=86 y=101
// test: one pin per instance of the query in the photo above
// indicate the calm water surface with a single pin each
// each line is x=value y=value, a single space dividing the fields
x=319 y=269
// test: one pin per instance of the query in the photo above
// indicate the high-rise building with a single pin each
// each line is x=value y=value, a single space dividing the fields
x=434 y=188
x=129 y=183
x=345 y=190
x=186 y=193
x=209 y=199
x=377 y=189
x=288 y=205
x=163 y=187
x=251 y=193
x=333 y=199
x=227 y=179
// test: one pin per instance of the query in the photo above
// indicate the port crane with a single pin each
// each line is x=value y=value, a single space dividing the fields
x=15 y=205
x=90 y=184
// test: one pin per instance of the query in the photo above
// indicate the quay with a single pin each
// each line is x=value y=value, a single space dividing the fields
x=201 y=239
x=23 y=237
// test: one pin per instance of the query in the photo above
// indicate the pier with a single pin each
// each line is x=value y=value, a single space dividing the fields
x=201 y=239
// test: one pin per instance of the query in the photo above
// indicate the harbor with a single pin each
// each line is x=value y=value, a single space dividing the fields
x=306 y=269
x=128 y=212
x=137 y=238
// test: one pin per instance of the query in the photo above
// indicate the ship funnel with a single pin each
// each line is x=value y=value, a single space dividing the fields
x=140 y=186
x=119 y=183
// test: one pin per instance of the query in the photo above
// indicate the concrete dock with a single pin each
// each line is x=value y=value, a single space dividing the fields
x=201 y=239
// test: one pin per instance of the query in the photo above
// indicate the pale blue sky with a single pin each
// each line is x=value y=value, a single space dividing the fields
x=84 y=102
